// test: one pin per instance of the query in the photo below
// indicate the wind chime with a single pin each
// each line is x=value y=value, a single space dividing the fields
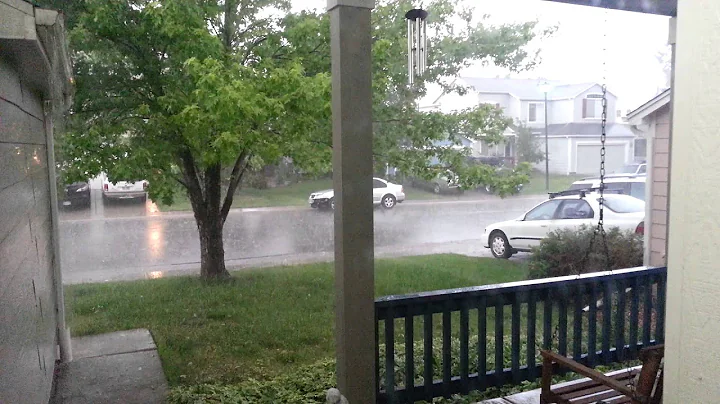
x=417 y=43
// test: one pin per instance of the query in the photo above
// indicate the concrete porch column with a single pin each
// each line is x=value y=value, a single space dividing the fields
x=352 y=178
x=693 y=318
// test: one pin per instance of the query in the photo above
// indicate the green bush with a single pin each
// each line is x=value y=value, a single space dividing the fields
x=308 y=384
x=563 y=251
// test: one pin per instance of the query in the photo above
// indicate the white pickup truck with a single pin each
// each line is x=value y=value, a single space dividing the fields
x=125 y=190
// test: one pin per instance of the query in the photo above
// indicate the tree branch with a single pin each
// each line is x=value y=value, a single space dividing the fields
x=192 y=183
x=238 y=170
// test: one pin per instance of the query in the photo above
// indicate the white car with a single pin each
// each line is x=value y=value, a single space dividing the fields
x=385 y=194
x=125 y=190
x=569 y=211
x=633 y=185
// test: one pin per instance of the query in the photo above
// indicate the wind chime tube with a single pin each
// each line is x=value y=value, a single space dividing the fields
x=411 y=72
x=424 y=47
x=418 y=41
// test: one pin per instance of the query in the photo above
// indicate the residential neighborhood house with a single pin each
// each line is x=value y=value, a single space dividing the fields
x=573 y=113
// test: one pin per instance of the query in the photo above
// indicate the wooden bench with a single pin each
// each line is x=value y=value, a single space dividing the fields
x=620 y=387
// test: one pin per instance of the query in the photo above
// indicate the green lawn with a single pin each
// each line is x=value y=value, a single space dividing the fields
x=558 y=182
x=263 y=322
x=291 y=195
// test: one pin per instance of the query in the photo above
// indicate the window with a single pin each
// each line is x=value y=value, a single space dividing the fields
x=640 y=148
x=535 y=111
x=576 y=209
x=624 y=204
x=546 y=211
x=379 y=184
x=583 y=185
x=592 y=106
x=637 y=190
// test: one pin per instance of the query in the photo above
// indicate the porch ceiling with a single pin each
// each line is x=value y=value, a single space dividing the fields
x=659 y=7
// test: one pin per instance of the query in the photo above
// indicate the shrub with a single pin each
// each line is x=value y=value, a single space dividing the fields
x=563 y=251
x=308 y=384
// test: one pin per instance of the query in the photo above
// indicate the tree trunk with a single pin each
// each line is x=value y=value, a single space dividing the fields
x=212 y=250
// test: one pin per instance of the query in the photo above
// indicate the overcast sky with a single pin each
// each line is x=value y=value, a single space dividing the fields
x=590 y=44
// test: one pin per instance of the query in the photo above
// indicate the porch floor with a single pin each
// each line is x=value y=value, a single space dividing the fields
x=116 y=368
x=533 y=396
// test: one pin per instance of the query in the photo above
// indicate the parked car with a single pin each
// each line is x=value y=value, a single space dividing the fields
x=633 y=185
x=638 y=168
x=385 y=194
x=125 y=190
x=568 y=210
x=442 y=183
x=75 y=194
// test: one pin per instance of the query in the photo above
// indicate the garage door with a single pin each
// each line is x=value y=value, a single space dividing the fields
x=588 y=158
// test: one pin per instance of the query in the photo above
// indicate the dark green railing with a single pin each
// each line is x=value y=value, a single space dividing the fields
x=463 y=333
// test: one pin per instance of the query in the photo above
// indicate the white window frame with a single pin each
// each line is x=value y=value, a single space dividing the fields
x=539 y=113
x=594 y=97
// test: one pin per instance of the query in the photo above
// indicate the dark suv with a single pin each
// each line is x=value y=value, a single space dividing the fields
x=75 y=194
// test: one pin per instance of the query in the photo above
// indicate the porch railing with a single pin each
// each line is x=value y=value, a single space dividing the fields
x=434 y=344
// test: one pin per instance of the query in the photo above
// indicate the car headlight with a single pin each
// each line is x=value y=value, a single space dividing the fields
x=82 y=189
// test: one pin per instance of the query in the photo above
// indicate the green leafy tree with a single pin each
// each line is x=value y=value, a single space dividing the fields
x=190 y=94
x=528 y=145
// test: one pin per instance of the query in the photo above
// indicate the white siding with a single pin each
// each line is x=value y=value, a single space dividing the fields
x=560 y=111
x=596 y=89
x=557 y=155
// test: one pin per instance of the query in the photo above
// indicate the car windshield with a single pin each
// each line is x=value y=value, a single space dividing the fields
x=583 y=185
x=624 y=204
x=632 y=168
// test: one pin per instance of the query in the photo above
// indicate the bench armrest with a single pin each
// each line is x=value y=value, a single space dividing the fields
x=587 y=372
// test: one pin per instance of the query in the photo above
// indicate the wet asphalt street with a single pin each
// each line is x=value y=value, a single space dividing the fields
x=133 y=240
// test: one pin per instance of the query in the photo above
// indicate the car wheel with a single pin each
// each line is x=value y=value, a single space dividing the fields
x=437 y=189
x=499 y=245
x=388 y=201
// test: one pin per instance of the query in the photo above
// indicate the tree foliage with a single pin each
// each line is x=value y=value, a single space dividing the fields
x=528 y=146
x=189 y=94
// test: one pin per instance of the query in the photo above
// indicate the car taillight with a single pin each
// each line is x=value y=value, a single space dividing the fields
x=105 y=187
x=145 y=185
x=402 y=190
x=640 y=229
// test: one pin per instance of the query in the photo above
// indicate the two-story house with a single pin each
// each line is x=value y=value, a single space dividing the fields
x=574 y=122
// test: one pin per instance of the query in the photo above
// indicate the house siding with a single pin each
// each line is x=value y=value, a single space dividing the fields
x=510 y=105
x=596 y=89
x=660 y=183
x=557 y=155
x=27 y=296
x=560 y=111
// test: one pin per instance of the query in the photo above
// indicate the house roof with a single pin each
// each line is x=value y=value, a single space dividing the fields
x=649 y=107
x=527 y=89
x=665 y=7
x=587 y=129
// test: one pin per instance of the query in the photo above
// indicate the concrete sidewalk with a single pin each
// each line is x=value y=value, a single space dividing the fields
x=120 y=367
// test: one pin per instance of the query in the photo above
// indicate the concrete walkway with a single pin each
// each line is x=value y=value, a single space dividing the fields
x=120 y=367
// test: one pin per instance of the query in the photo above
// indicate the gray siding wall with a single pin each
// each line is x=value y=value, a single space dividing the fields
x=27 y=303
